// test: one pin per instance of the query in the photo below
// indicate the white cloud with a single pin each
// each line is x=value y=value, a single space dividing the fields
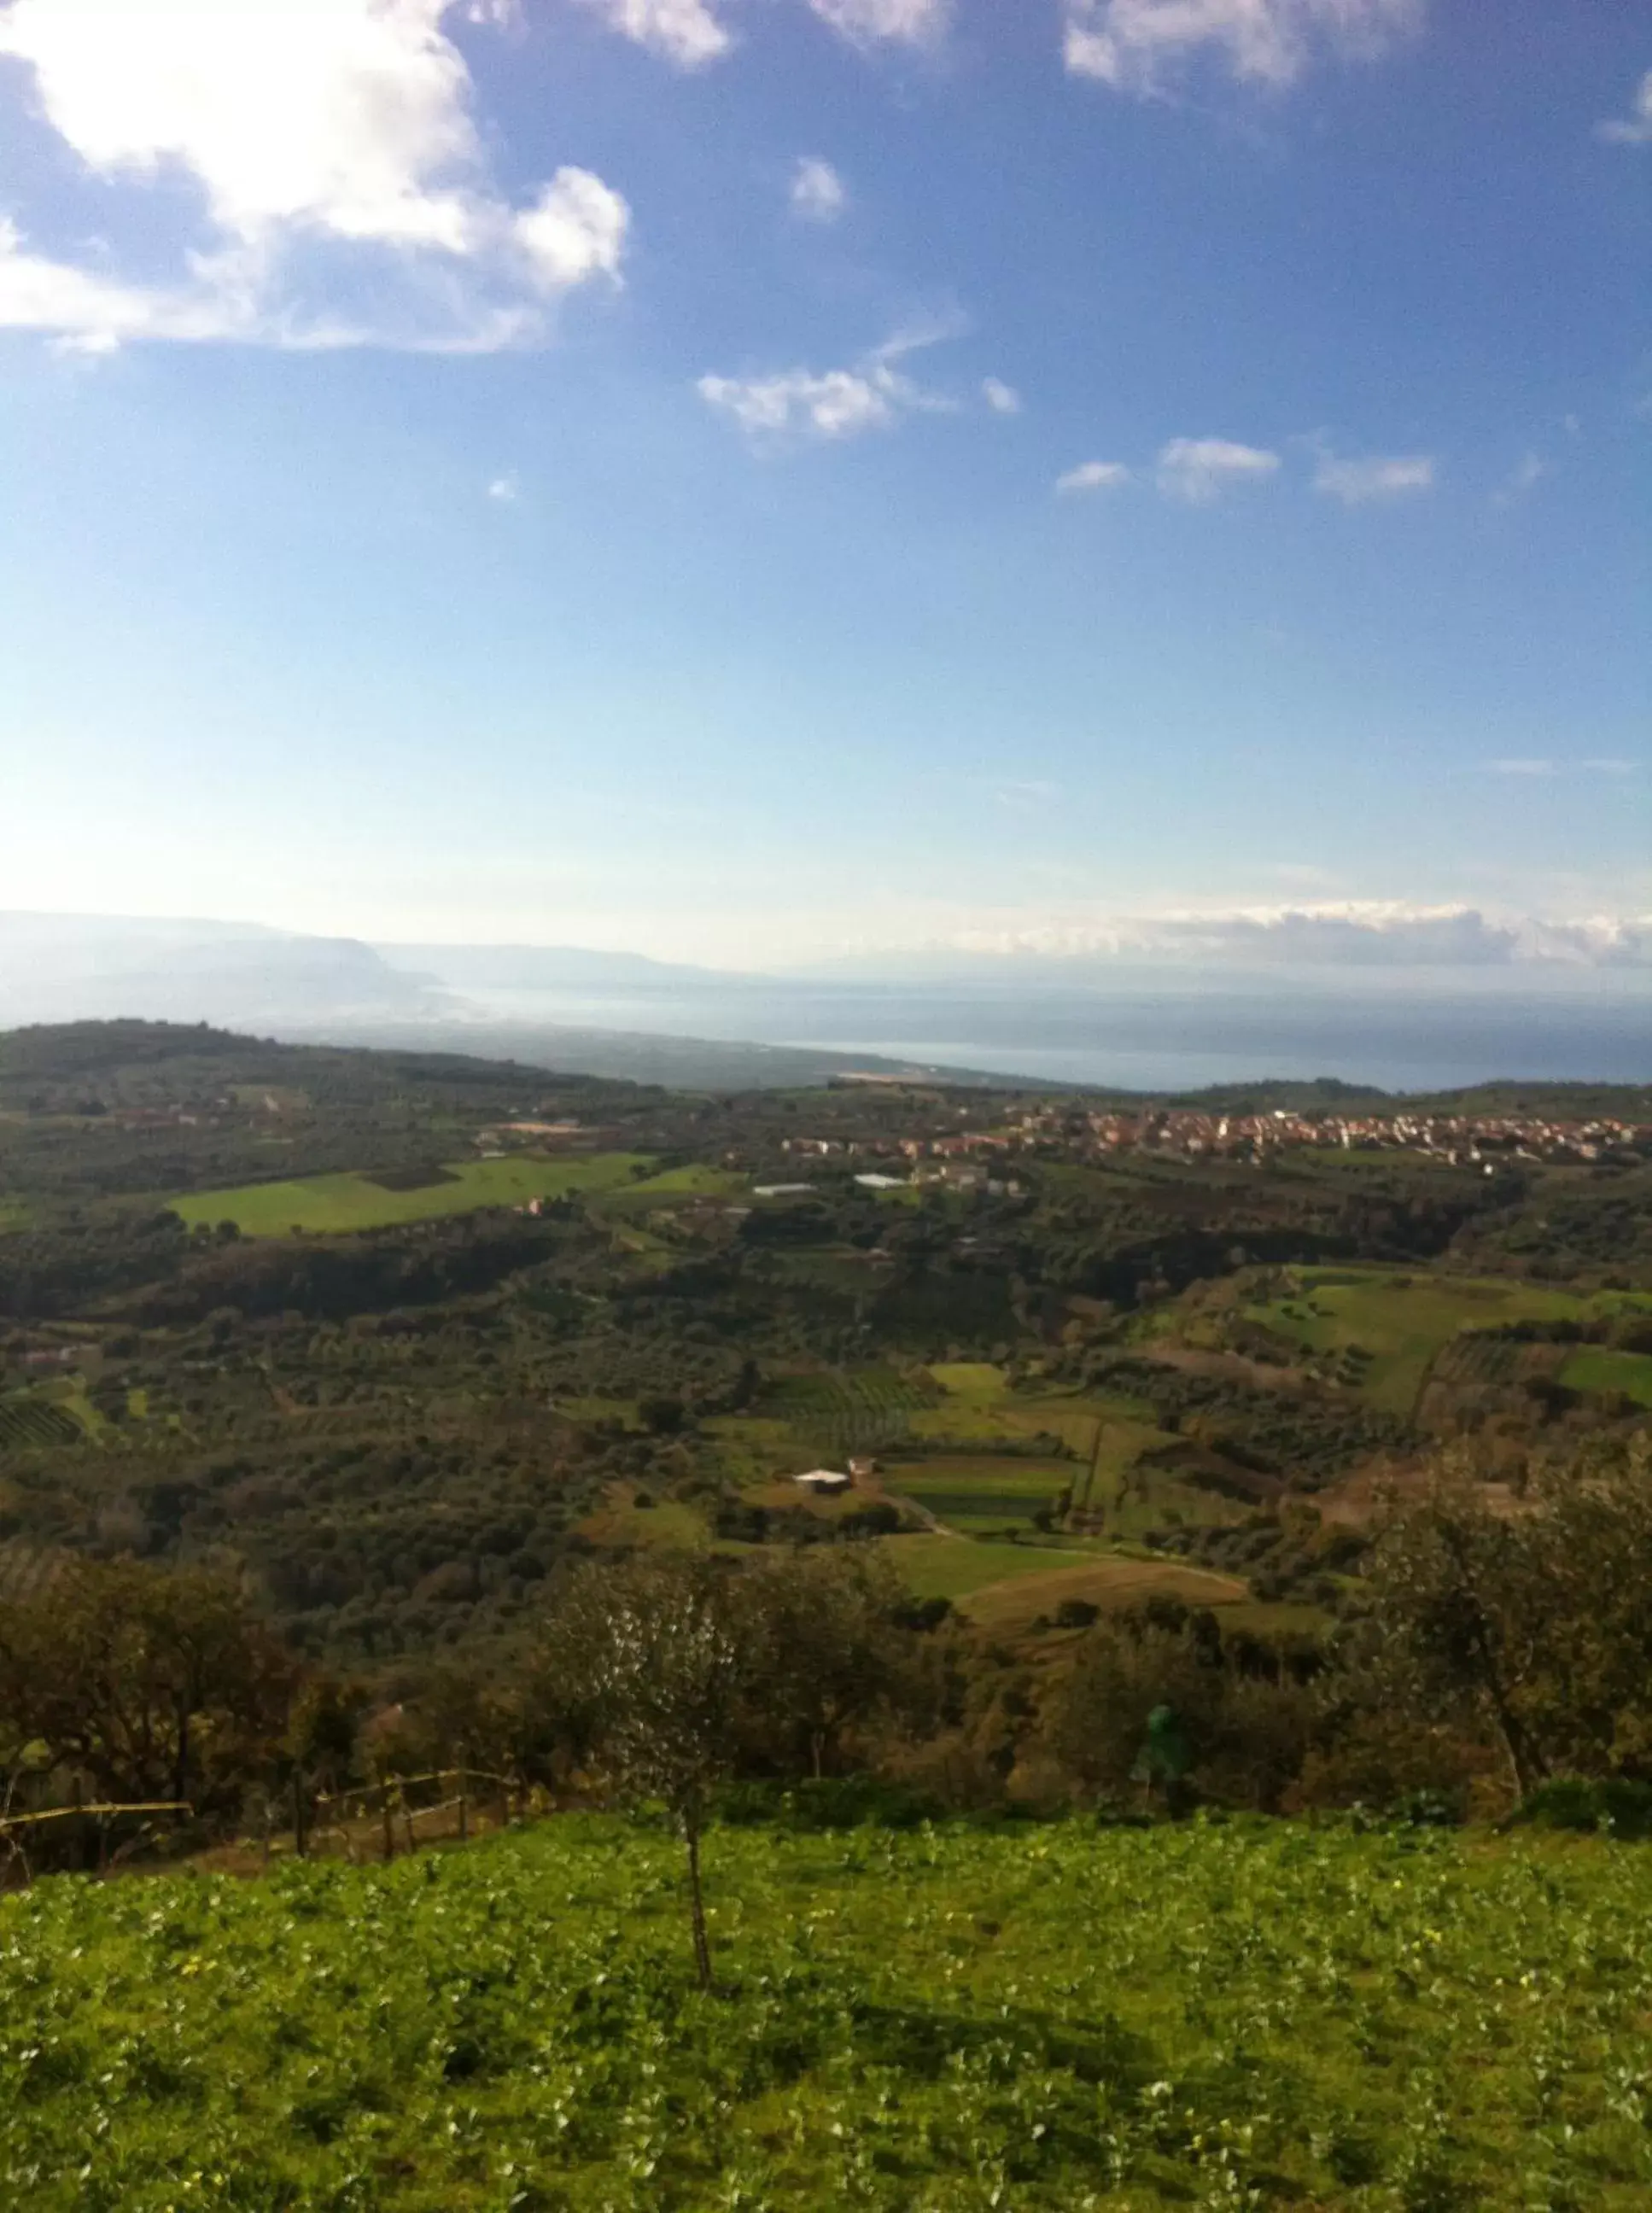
x=691 y=33
x=817 y=192
x=1352 y=933
x=1002 y=398
x=1636 y=128
x=1138 y=46
x=1093 y=476
x=574 y=230
x=686 y=32
x=1377 y=477
x=1199 y=470
x=914 y=22
x=342 y=123
x=834 y=403
x=505 y=489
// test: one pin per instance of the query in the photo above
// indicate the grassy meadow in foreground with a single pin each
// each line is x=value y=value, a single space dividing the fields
x=1029 y=2016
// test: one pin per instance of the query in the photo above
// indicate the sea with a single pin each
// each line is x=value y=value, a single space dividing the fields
x=1164 y=1029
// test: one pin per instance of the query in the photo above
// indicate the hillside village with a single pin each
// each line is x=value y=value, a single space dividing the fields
x=1065 y=1129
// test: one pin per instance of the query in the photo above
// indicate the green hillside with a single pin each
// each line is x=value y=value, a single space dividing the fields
x=1030 y=2016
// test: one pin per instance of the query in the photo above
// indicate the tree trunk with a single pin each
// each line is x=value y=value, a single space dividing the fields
x=181 y=1778
x=697 y=1906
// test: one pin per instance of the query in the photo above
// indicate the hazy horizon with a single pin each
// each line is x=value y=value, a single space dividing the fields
x=1398 y=1023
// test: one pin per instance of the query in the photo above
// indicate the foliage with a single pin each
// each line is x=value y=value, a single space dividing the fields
x=1536 y=1626
x=950 y=2019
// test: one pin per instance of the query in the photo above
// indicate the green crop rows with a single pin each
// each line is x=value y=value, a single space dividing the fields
x=865 y=1411
x=26 y=1422
x=1034 y=2017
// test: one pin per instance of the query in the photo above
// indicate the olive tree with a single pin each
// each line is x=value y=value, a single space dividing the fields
x=653 y=1656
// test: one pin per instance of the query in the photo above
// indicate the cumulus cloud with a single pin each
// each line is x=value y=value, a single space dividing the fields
x=345 y=124
x=1377 y=477
x=1093 y=475
x=1354 y=933
x=1002 y=398
x=1199 y=470
x=866 y=22
x=817 y=192
x=686 y=32
x=833 y=403
x=505 y=489
x=875 y=394
x=691 y=33
x=1140 y=45
x=1636 y=128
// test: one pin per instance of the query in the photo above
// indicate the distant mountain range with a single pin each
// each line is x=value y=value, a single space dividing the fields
x=500 y=1001
x=538 y=967
x=1407 y=1020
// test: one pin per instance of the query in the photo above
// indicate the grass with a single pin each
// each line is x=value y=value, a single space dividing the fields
x=955 y=1567
x=972 y=1493
x=1402 y=1320
x=332 y=1203
x=1104 y=1581
x=969 y=1379
x=944 y=2020
x=671 y=1185
x=1600 y=1369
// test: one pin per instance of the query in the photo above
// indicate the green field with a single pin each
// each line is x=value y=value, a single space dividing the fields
x=976 y=1493
x=951 y=2020
x=953 y=1567
x=861 y=1411
x=1599 y=1370
x=671 y=1186
x=351 y=1201
x=1401 y=1320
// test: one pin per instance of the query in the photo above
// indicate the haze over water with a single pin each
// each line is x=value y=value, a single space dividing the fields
x=1163 y=1030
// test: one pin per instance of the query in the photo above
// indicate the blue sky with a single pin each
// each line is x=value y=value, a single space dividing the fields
x=745 y=479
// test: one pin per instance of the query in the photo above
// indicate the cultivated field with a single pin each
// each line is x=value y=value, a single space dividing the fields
x=1402 y=1320
x=1599 y=1369
x=337 y=1202
x=980 y=1492
x=943 y=2021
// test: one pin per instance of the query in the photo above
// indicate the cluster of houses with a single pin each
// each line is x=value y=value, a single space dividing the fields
x=1460 y=1139
x=980 y=1159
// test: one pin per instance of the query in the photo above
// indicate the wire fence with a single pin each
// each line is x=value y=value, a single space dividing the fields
x=294 y=1819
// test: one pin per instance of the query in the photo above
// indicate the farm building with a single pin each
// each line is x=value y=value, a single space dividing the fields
x=822 y=1481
